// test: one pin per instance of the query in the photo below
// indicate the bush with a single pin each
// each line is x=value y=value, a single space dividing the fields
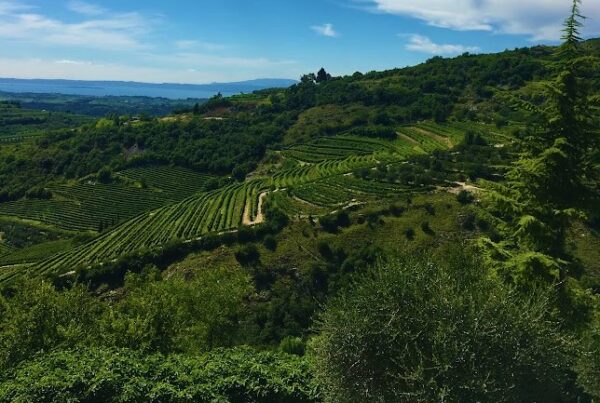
x=396 y=210
x=270 y=242
x=468 y=221
x=426 y=228
x=247 y=255
x=332 y=222
x=429 y=208
x=276 y=218
x=325 y=250
x=292 y=345
x=105 y=175
x=416 y=331
x=465 y=197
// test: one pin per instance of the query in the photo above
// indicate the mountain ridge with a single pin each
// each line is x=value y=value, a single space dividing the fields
x=135 y=88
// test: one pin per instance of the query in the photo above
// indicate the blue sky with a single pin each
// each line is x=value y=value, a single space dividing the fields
x=200 y=41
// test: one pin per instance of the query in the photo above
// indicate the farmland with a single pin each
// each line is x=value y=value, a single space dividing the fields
x=17 y=124
x=92 y=206
x=144 y=212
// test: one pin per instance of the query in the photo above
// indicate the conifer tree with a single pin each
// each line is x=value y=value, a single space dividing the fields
x=552 y=182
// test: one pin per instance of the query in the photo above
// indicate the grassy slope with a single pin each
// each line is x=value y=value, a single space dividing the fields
x=298 y=243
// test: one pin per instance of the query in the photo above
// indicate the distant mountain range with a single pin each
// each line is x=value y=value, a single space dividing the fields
x=131 y=88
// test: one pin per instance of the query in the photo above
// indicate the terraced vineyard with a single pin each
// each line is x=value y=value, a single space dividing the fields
x=313 y=188
x=34 y=253
x=173 y=182
x=215 y=211
x=338 y=147
x=86 y=207
x=93 y=206
x=424 y=140
x=5 y=250
x=17 y=124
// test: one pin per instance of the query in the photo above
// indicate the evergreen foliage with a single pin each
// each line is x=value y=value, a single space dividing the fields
x=553 y=181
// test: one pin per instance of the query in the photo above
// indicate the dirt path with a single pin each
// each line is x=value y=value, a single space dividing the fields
x=407 y=138
x=260 y=215
x=464 y=186
x=434 y=136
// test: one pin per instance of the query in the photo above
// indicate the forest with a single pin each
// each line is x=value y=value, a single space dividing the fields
x=427 y=233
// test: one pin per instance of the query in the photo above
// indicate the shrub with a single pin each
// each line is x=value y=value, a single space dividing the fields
x=468 y=221
x=105 y=175
x=429 y=208
x=270 y=242
x=426 y=228
x=292 y=345
x=332 y=222
x=247 y=255
x=324 y=249
x=417 y=331
x=396 y=210
x=465 y=197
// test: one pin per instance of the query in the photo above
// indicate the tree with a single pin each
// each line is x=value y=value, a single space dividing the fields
x=415 y=331
x=309 y=78
x=105 y=175
x=550 y=184
x=323 y=76
x=178 y=314
x=39 y=318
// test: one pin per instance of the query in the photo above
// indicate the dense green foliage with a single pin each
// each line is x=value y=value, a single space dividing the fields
x=167 y=316
x=19 y=123
x=415 y=330
x=552 y=183
x=119 y=375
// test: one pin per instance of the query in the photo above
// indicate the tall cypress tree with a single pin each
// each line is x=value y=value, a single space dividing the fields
x=553 y=180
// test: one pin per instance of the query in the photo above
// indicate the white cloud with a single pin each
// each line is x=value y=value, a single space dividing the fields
x=73 y=62
x=419 y=43
x=122 y=31
x=8 y=7
x=84 y=8
x=123 y=45
x=538 y=19
x=325 y=30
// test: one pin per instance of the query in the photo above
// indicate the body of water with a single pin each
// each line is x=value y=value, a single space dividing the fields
x=118 y=88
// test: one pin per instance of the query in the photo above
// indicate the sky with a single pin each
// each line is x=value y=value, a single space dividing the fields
x=203 y=41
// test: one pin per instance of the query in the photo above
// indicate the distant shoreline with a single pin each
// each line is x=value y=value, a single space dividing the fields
x=130 y=88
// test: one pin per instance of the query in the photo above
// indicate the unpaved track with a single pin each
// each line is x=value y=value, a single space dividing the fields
x=260 y=215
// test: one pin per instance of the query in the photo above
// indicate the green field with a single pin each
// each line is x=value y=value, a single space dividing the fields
x=18 y=124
